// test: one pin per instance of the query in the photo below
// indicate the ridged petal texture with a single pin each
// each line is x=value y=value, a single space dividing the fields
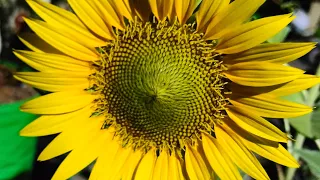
x=184 y=9
x=85 y=129
x=52 y=62
x=258 y=74
x=55 y=81
x=61 y=42
x=67 y=47
x=268 y=149
x=207 y=11
x=67 y=22
x=145 y=168
x=161 y=8
x=279 y=53
x=239 y=154
x=175 y=167
x=108 y=13
x=36 y=44
x=250 y=34
x=58 y=103
x=52 y=124
x=305 y=81
x=161 y=168
x=269 y=106
x=195 y=164
x=219 y=162
x=255 y=124
x=233 y=15
x=90 y=17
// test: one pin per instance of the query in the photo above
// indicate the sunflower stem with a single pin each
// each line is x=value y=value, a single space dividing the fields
x=287 y=129
x=317 y=141
x=280 y=172
x=310 y=100
x=297 y=145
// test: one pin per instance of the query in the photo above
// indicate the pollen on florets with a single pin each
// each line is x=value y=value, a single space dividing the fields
x=161 y=84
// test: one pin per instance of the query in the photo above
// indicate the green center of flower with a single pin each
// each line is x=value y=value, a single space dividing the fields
x=161 y=84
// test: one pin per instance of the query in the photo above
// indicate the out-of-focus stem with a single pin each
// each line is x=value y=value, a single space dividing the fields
x=317 y=143
x=287 y=129
x=310 y=100
x=297 y=145
x=280 y=172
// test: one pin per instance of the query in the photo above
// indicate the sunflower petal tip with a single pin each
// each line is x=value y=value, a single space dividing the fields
x=294 y=164
x=24 y=107
x=292 y=17
x=40 y=159
x=22 y=132
x=26 y=132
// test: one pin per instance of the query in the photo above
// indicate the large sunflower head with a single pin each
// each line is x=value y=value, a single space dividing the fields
x=161 y=89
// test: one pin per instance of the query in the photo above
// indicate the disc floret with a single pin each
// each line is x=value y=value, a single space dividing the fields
x=161 y=84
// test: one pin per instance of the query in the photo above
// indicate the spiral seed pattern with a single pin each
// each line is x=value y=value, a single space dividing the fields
x=161 y=83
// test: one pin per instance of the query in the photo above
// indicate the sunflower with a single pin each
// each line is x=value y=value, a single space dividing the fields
x=161 y=89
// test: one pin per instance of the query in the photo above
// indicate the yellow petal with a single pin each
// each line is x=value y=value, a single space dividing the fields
x=268 y=149
x=280 y=53
x=230 y=17
x=239 y=154
x=52 y=124
x=53 y=87
x=61 y=42
x=161 y=168
x=118 y=163
x=111 y=147
x=252 y=34
x=277 y=154
x=35 y=43
x=108 y=13
x=161 y=8
x=81 y=157
x=67 y=23
x=195 y=165
x=51 y=62
x=184 y=9
x=269 y=106
x=303 y=82
x=131 y=165
x=91 y=18
x=146 y=166
x=255 y=124
x=73 y=136
x=207 y=10
x=260 y=74
x=55 y=80
x=123 y=7
x=58 y=103
x=218 y=160
x=175 y=167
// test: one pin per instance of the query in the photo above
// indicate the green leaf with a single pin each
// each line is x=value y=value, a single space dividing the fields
x=303 y=123
x=315 y=123
x=297 y=97
x=281 y=36
x=312 y=158
x=309 y=124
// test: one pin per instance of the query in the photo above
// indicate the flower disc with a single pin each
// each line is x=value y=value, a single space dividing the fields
x=158 y=83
